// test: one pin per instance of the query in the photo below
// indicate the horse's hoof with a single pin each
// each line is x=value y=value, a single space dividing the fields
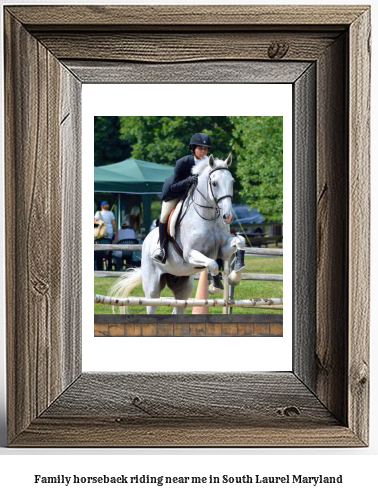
x=213 y=290
x=234 y=278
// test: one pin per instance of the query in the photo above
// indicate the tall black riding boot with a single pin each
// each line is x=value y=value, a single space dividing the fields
x=161 y=255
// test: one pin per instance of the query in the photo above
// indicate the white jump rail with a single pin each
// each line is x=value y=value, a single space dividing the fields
x=226 y=303
x=275 y=303
x=248 y=250
x=244 y=276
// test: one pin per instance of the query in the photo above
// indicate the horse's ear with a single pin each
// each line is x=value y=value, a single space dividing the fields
x=211 y=161
x=229 y=160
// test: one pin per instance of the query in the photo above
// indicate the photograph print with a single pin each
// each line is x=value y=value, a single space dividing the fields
x=188 y=215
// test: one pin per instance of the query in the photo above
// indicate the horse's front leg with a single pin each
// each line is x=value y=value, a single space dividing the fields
x=197 y=259
x=236 y=243
x=233 y=244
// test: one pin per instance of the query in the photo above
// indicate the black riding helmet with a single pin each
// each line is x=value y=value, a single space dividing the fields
x=199 y=139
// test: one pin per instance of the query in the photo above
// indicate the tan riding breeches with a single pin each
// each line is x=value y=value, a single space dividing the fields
x=166 y=209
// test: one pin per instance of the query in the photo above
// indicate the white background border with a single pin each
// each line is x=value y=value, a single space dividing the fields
x=172 y=353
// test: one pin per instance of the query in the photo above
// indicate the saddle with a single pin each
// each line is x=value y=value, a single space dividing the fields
x=171 y=227
x=172 y=219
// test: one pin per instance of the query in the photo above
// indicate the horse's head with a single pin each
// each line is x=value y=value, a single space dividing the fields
x=221 y=186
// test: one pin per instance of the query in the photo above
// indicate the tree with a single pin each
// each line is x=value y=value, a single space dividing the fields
x=165 y=139
x=258 y=143
x=108 y=146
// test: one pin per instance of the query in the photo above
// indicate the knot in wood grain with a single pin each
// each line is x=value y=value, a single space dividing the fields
x=288 y=411
x=364 y=374
x=136 y=400
x=278 y=50
x=140 y=404
x=40 y=287
x=360 y=374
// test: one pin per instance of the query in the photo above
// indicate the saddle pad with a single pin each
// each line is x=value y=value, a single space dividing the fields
x=173 y=219
x=174 y=216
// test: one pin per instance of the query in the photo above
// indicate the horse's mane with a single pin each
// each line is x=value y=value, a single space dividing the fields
x=203 y=166
x=200 y=167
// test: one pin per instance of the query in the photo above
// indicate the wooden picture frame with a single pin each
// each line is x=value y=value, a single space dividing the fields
x=49 y=52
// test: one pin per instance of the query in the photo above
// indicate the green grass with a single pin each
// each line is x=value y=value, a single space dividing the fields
x=246 y=290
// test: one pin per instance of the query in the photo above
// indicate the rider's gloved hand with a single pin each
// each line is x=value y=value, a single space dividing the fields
x=193 y=180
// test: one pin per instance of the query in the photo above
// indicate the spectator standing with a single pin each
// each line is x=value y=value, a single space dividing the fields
x=108 y=217
x=111 y=231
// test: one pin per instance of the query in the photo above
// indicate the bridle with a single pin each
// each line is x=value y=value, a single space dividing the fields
x=216 y=200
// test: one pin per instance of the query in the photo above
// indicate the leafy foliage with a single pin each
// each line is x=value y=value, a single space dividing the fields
x=258 y=143
x=165 y=139
x=108 y=146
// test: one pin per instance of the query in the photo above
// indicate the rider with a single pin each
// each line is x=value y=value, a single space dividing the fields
x=177 y=185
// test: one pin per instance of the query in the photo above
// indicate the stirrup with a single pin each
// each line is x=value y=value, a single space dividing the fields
x=216 y=284
x=160 y=256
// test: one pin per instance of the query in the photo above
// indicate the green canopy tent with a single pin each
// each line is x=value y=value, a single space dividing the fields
x=133 y=177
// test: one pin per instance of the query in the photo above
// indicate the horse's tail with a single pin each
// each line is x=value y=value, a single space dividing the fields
x=123 y=286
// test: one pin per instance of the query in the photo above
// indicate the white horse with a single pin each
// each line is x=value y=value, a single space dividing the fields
x=203 y=233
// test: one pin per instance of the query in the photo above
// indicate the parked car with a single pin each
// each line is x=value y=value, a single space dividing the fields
x=245 y=221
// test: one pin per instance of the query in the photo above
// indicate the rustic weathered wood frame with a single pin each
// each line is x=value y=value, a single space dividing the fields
x=49 y=52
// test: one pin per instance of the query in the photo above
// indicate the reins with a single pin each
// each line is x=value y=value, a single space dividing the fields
x=216 y=200
x=195 y=204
